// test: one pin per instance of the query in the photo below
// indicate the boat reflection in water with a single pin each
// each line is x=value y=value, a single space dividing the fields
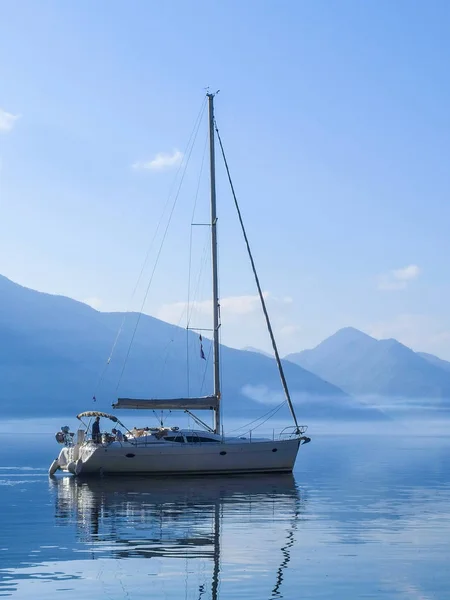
x=138 y=517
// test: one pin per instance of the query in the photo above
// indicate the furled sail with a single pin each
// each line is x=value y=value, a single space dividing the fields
x=204 y=402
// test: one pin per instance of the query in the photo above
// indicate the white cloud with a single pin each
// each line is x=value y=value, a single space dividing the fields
x=407 y=328
x=407 y=273
x=422 y=333
x=282 y=300
x=262 y=394
x=242 y=305
x=7 y=121
x=242 y=319
x=172 y=313
x=93 y=302
x=289 y=330
x=398 y=279
x=231 y=306
x=160 y=162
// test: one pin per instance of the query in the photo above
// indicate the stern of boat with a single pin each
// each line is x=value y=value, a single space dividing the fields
x=72 y=456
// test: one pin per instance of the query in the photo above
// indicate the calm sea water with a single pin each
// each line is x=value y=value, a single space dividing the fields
x=362 y=517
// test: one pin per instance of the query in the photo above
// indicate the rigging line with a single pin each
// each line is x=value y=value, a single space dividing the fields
x=167 y=348
x=273 y=413
x=192 y=221
x=190 y=266
x=261 y=297
x=206 y=368
x=157 y=418
x=187 y=362
x=196 y=125
x=188 y=381
x=166 y=357
x=196 y=291
x=159 y=250
x=201 y=272
x=195 y=296
x=219 y=324
x=204 y=259
x=274 y=410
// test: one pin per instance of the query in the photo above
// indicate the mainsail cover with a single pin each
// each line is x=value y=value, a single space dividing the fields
x=204 y=402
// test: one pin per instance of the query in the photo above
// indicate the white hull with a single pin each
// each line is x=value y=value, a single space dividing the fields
x=195 y=459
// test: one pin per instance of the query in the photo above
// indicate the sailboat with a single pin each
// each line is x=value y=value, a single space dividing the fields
x=184 y=451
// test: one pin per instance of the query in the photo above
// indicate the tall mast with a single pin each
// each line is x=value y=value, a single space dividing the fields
x=215 y=282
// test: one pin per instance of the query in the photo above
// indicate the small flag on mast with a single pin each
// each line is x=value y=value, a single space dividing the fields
x=202 y=354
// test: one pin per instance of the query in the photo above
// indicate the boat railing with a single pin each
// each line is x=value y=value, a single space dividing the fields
x=285 y=434
x=292 y=432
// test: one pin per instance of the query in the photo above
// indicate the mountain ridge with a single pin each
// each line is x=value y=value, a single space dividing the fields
x=55 y=348
x=363 y=365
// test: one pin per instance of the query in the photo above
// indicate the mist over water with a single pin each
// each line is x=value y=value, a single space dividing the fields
x=365 y=514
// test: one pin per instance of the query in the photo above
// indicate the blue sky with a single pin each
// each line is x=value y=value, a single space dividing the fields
x=335 y=120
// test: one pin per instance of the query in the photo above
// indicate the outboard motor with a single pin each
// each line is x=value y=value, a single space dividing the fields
x=64 y=436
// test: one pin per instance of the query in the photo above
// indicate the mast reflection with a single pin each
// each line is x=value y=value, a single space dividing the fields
x=183 y=518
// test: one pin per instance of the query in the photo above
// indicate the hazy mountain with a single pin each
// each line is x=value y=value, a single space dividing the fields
x=362 y=365
x=434 y=360
x=53 y=353
x=257 y=350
